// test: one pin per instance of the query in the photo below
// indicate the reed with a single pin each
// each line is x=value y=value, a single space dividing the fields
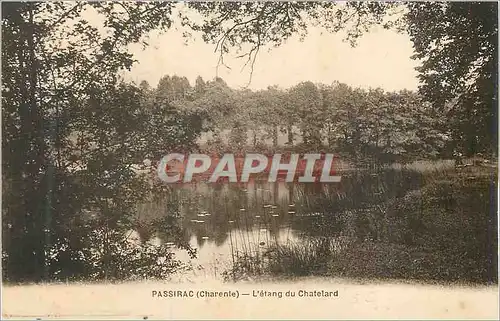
x=427 y=221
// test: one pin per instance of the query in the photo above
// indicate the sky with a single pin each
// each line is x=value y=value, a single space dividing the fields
x=381 y=59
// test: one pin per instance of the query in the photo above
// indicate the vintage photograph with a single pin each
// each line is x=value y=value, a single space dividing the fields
x=249 y=160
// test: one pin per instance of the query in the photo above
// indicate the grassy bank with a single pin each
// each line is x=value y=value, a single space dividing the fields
x=443 y=231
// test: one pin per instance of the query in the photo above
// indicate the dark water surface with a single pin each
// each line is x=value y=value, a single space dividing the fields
x=393 y=222
x=222 y=217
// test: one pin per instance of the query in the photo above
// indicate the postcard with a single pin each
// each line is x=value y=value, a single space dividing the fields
x=249 y=160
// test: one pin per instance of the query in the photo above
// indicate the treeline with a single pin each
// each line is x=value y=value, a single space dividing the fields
x=361 y=125
x=71 y=132
x=70 y=197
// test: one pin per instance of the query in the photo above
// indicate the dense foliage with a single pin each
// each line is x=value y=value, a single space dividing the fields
x=361 y=125
x=73 y=133
x=455 y=42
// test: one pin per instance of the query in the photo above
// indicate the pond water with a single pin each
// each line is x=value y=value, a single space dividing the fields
x=221 y=220
x=391 y=223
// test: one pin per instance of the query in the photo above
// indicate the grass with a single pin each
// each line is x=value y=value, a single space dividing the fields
x=426 y=221
x=443 y=231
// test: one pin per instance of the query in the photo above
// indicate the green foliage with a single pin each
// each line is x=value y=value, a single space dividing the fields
x=102 y=254
x=458 y=46
x=363 y=126
x=235 y=24
x=173 y=89
x=432 y=226
x=73 y=135
x=444 y=232
x=306 y=103
x=309 y=257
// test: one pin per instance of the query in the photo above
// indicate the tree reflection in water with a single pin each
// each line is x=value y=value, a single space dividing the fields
x=391 y=212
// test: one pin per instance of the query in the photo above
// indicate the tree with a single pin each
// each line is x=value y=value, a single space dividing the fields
x=307 y=103
x=346 y=116
x=266 y=112
x=144 y=85
x=71 y=129
x=173 y=89
x=199 y=86
x=457 y=43
x=236 y=24
x=381 y=127
x=400 y=126
x=71 y=135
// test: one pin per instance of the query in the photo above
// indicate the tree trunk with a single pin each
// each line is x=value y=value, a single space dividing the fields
x=275 y=136
x=27 y=259
x=290 y=134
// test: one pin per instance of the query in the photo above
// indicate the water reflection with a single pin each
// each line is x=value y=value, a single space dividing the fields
x=374 y=215
x=211 y=213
